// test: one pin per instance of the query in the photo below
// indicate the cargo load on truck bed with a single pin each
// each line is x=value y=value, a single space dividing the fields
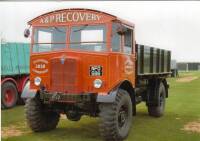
x=15 y=58
x=151 y=61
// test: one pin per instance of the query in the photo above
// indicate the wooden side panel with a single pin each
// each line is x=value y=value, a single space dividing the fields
x=152 y=61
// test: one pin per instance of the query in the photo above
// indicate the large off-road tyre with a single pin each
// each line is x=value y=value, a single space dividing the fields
x=116 y=117
x=9 y=95
x=158 y=111
x=38 y=118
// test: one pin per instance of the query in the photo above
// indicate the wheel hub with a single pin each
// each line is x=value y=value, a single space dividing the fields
x=161 y=99
x=9 y=96
x=122 y=116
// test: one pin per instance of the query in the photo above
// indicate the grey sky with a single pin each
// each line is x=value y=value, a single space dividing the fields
x=169 y=25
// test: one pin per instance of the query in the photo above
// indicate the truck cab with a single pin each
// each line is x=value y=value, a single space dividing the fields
x=76 y=52
x=83 y=62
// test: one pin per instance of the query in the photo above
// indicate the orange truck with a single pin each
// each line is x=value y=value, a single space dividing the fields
x=87 y=62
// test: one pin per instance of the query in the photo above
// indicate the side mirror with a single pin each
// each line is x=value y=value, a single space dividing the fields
x=26 y=33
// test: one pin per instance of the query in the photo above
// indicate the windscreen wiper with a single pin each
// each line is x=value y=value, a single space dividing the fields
x=81 y=28
x=59 y=30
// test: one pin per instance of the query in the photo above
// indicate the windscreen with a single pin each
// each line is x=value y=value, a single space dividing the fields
x=49 y=39
x=89 y=38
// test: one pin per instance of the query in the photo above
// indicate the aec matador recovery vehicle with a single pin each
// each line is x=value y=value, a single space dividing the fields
x=86 y=62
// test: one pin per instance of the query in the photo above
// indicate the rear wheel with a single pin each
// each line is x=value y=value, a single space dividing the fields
x=158 y=111
x=9 y=95
x=38 y=118
x=116 y=118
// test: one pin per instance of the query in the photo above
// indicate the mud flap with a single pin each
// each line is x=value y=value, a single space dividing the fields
x=27 y=93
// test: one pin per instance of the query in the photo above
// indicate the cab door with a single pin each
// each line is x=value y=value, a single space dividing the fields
x=122 y=55
x=129 y=54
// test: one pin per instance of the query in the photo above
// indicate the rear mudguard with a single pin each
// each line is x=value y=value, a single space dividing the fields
x=27 y=92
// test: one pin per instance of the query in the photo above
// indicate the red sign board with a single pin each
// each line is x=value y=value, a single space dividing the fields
x=72 y=16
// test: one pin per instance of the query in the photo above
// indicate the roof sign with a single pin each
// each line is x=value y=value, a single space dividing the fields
x=69 y=17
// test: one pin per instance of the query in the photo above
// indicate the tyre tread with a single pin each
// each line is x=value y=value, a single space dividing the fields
x=108 y=114
x=37 y=119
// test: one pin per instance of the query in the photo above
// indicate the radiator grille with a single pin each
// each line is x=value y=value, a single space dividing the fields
x=64 y=76
x=70 y=75
x=56 y=75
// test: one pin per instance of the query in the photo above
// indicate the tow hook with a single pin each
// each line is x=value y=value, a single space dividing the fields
x=55 y=97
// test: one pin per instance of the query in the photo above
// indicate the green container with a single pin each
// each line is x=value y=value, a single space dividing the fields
x=15 y=58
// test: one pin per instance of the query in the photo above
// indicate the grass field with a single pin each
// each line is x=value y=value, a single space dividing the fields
x=183 y=107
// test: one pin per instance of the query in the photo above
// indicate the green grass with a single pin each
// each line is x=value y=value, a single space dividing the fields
x=183 y=106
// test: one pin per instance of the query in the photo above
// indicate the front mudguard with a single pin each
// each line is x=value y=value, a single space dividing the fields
x=109 y=98
x=27 y=92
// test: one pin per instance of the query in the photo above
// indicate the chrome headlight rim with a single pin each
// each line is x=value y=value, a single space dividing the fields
x=97 y=83
x=37 y=81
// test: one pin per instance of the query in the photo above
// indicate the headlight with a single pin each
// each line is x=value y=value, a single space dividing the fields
x=37 y=81
x=97 y=83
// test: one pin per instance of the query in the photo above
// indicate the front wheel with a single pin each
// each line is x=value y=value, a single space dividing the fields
x=116 y=118
x=158 y=111
x=40 y=119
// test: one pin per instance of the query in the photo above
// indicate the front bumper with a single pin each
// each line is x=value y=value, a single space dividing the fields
x=48 y=97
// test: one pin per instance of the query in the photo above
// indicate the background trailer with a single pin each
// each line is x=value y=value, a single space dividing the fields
x=14 y=72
